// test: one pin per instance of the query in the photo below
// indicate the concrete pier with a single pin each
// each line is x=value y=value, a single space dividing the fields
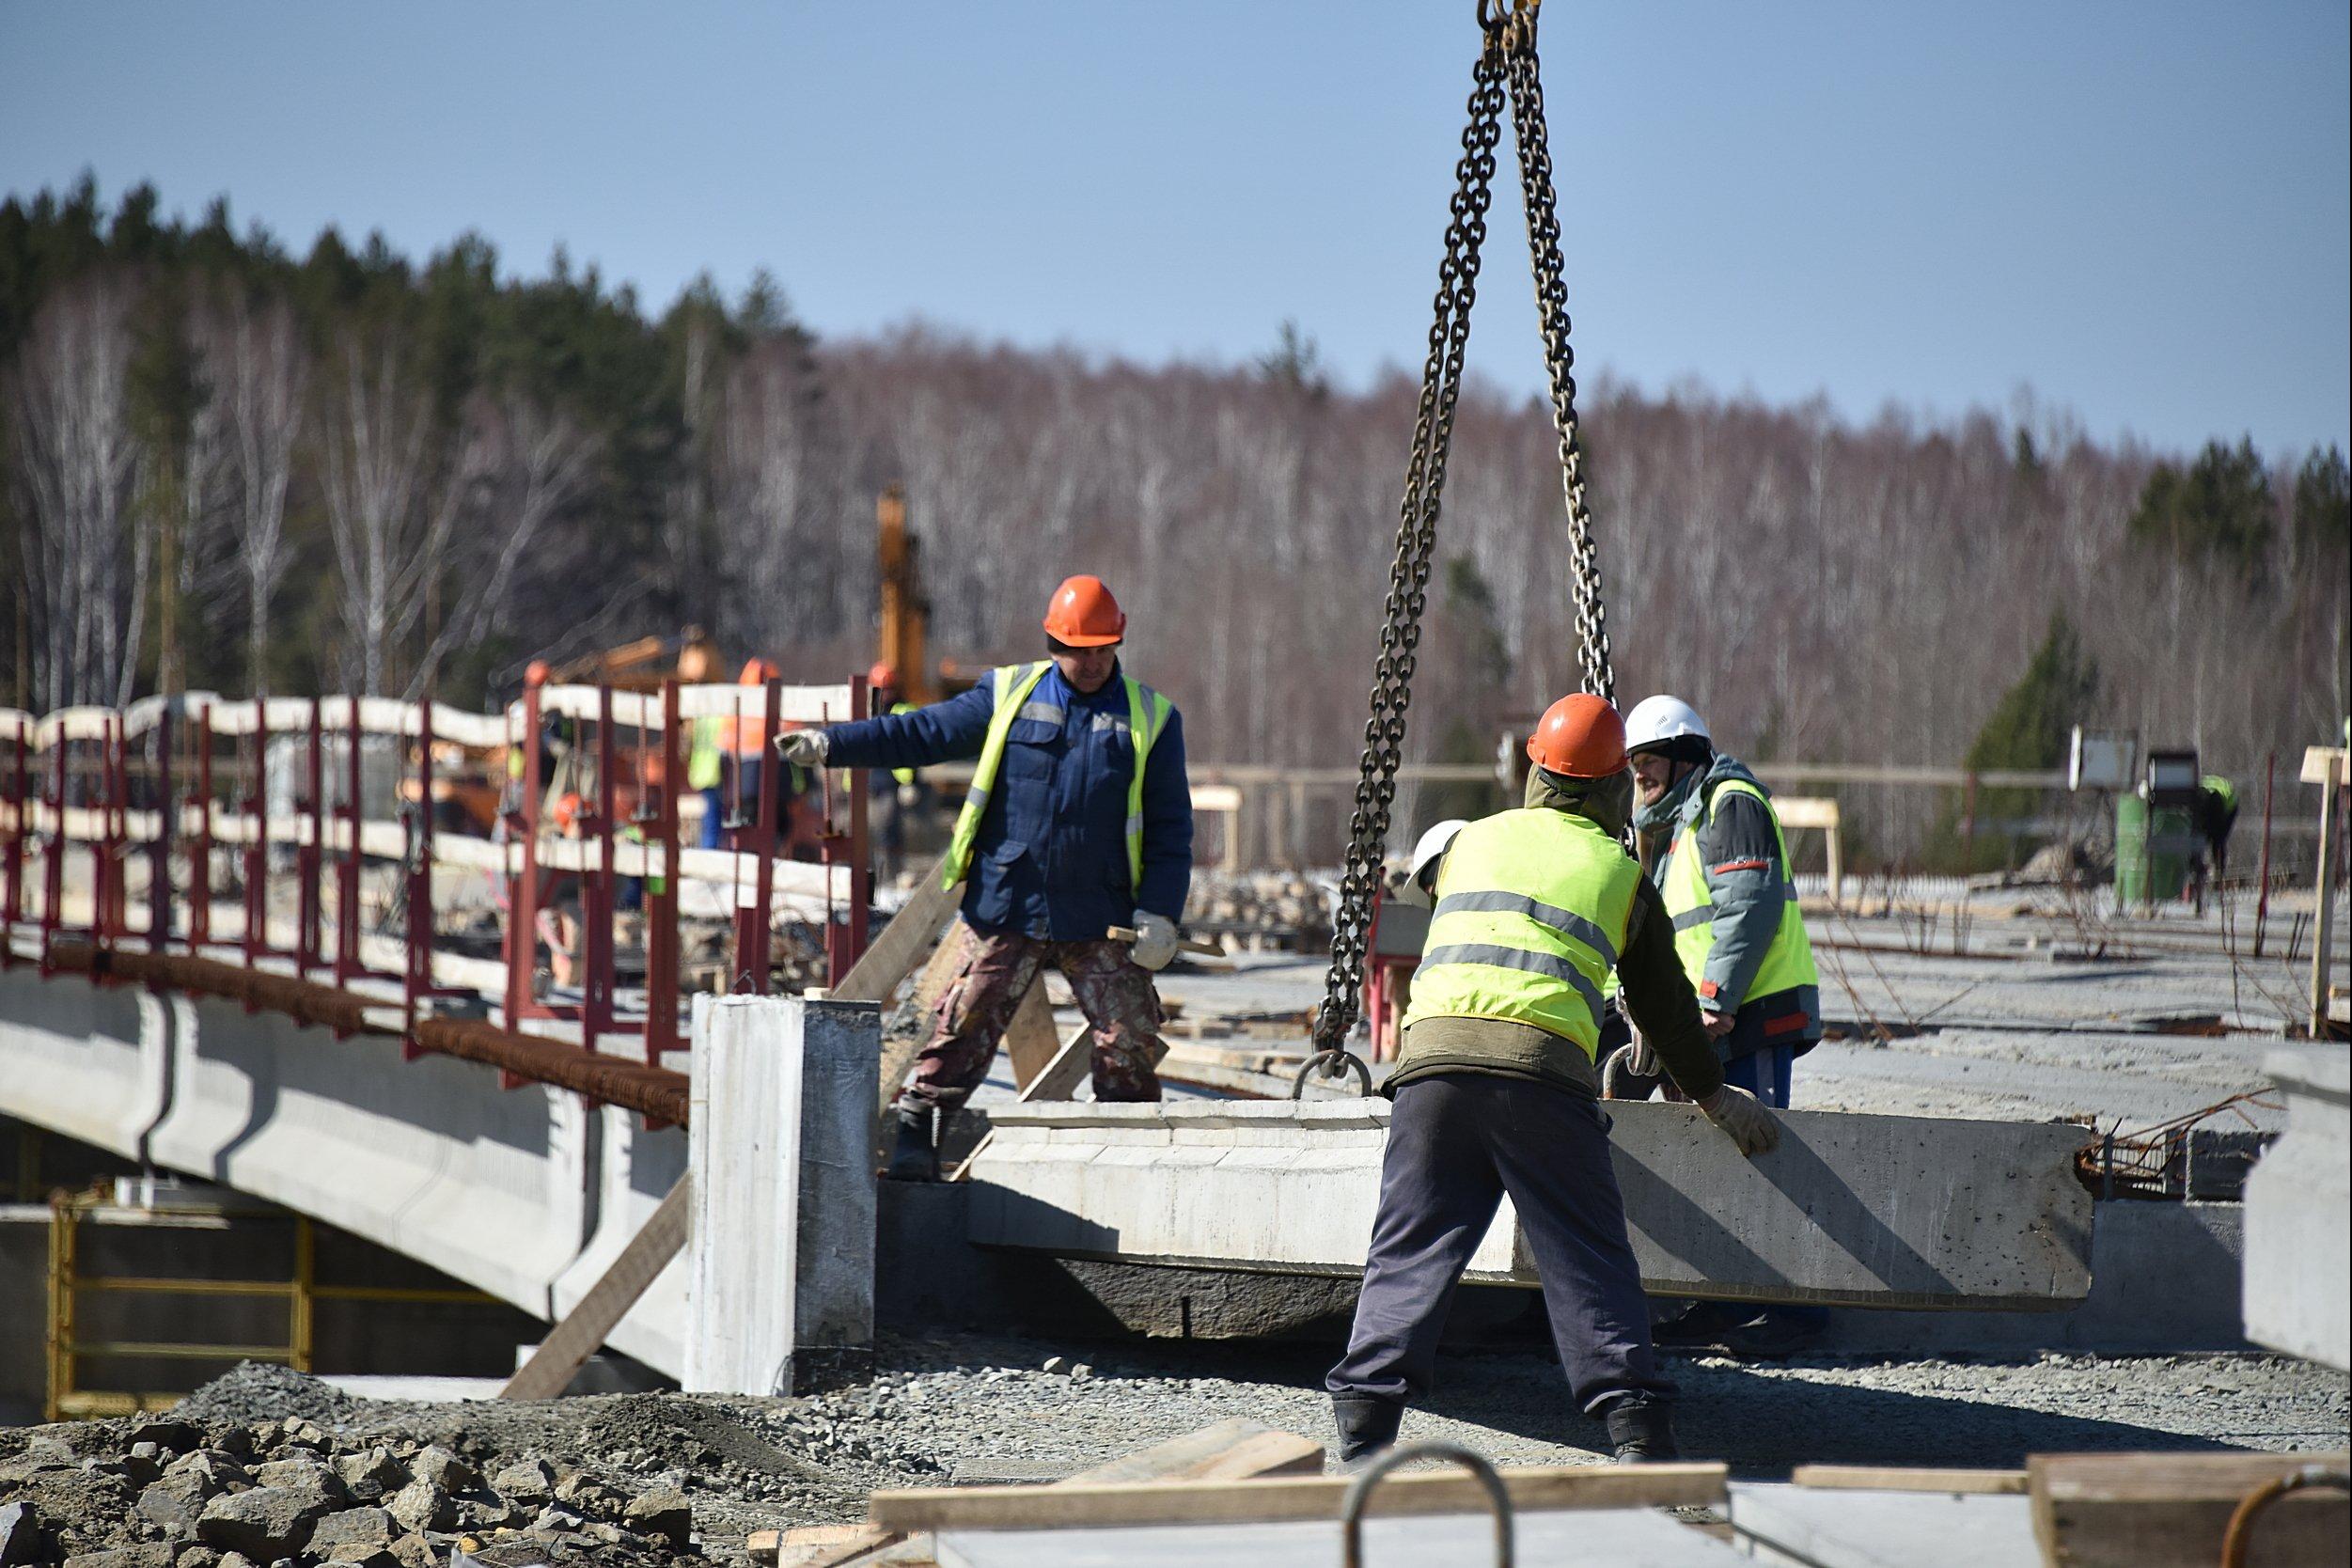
x=780 y=1289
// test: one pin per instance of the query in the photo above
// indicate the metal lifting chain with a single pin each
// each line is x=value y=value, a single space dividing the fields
x=1417 y=537
x=1551 y=307
x=1507 y=57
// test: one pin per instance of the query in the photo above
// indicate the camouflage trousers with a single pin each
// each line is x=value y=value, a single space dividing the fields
x=997 y=969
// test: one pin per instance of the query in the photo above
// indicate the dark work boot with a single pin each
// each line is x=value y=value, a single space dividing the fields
x=915 y=1150
x=1642 y=1431
x=1366 y=1426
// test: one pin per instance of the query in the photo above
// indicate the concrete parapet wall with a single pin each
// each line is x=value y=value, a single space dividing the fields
x=2299 y=1213
x=1874 y=1211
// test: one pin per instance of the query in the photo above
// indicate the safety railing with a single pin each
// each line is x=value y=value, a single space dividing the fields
x=572 y=806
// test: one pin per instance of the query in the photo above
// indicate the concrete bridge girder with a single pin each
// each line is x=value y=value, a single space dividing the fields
x=519 y=1193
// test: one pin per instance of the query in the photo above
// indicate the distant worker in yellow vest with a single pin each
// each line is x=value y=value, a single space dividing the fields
x=1497 y=1091
x=1079 y=820
x=1713 y=845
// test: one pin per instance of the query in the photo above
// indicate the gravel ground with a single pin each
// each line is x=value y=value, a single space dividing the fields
x=976 y=1410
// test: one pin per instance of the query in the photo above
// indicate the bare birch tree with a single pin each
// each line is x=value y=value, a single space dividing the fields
x=76 y=470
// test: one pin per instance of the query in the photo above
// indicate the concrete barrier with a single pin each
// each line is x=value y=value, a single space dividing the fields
x=2299 y=1213
x=1875 y=1210
x=781 y=1261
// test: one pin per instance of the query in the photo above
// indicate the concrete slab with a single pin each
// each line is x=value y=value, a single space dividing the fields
x=1856 y=1210
x=1623 y=1538
x=1822 y=1528
x=780 y=1281
x=2299 y=1213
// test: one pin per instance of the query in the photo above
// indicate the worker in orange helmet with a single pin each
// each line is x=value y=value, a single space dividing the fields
x=1497 y=1091
x=1079 y=820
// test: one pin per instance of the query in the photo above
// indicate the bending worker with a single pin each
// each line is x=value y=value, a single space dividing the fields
x=1713 y=842
x=1078 y=819
x=1497 y=1091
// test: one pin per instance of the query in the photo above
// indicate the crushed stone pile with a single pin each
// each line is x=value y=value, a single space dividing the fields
x=266 y=1465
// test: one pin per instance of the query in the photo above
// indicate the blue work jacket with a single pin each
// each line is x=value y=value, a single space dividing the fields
x=1051 y=860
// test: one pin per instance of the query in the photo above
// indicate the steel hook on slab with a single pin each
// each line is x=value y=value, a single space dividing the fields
x=2239 y=1537
x=1360 y=1490
x=1332 y=1063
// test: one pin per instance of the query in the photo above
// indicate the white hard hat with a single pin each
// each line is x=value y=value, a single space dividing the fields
x=1659 y=719
x=1431 y=845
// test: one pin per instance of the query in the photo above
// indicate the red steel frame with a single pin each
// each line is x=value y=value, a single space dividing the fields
x=13 y=854
x=842 y=844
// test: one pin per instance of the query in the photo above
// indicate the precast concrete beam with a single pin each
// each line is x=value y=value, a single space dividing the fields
x=89 y=1062
x=2299 y=1213
x=1872 y=1211
x=780 y=1281
x=428 y=1157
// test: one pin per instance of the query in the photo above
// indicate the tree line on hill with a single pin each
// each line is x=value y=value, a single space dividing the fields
x=226 y=466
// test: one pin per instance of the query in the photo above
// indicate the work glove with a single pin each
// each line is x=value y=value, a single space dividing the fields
x=1155 y=940
x=804 y=748
x=1744 y=1119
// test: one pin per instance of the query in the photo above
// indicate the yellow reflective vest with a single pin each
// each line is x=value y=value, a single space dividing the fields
x=1788 y=963
x=1147 y=715
x=1532 y=909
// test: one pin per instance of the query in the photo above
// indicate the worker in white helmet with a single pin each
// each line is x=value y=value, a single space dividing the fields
x=1713 y=843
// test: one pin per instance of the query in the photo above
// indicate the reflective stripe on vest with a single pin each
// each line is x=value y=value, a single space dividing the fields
x=1788 y=963
x=1532 y=912
x=1147 y=715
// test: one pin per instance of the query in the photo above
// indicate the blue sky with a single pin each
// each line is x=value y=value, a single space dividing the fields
x=2141 y=210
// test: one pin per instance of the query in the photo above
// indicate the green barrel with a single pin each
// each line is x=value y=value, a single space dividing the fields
x=2131 y=850
x=2153 y=851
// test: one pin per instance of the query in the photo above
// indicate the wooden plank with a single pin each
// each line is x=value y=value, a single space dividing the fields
x=1285 y=1498
x=2161 y=1510
x=575 y=1339
x=1879 y=1478
x=1031 y=1040
x=1231 y=1450
x=901 y=943
x=1071 y=1066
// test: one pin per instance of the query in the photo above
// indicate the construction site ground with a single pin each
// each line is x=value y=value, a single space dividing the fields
x=2031 y=1004
x=965 y=1410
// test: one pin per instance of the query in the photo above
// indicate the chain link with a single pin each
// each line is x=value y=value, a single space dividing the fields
x=1417 y=537
x=1507 y=65
x=1551 y=306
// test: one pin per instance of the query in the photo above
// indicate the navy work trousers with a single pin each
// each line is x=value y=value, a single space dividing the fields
x=1457 y=1143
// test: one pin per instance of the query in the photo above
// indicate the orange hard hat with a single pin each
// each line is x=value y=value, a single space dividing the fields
x=1580 y=737
x=756 y=671
x=1083 y=614
x=883 y=676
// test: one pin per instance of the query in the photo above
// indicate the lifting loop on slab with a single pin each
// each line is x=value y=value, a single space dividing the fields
x=2238 y=1539
x=1359 y=1492
x=1332 y=1063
